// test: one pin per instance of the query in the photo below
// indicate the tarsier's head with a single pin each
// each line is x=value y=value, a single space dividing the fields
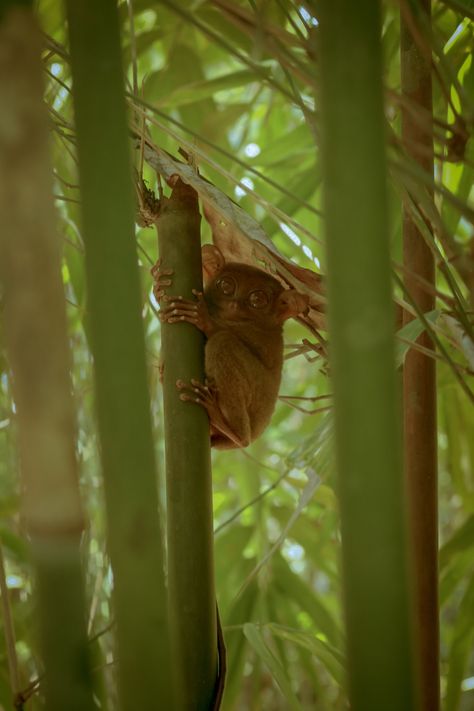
x=239 y=292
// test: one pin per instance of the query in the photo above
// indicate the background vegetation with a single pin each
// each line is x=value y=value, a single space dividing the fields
x=237 y=85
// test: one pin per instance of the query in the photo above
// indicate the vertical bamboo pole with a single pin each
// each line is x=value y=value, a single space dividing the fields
x=361 y=319
x=188 y=469
x=36 y=337
x=419 y=373
x=134 y=537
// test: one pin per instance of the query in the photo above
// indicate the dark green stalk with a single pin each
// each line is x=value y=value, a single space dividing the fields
x=134 y=536
x=188 y=470
x=37 y=343
x=368 y=441
x=419 y=371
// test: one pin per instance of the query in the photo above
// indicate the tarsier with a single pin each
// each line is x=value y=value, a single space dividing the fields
x=241 y=313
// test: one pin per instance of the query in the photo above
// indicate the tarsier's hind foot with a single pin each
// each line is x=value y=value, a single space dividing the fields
x=206 y=396
x=197 y=392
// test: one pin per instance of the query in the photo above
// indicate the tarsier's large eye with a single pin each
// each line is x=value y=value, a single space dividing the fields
x=258 y=299
x=226 y=285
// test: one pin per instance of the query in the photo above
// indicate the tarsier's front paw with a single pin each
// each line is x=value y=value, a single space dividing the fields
x=161 y=280
x=178 y=309
x=181 y=309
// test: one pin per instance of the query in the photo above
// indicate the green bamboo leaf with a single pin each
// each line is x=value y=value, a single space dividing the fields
x=16 y=545
x=205 y=88
x=329 y=656
x=143 y=41
x=224 y=29
x=465 y=7
x=230 y=545
x=410 y=332
x=461 y=648
x=75 y=265
x=459 y=569
x=292 y=587
x=220 y=122
x=266 y=654
x=459 y=177
x=459 y=41
x=458 y=459
x=304 y=499
x=161 y=84
x=303 y=183
x=296 y=141
x=240 y=612
x=51 y=14
x=460 y=541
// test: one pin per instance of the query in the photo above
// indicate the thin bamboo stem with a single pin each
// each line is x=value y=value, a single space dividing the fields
x=188 y=468
x=419 y=373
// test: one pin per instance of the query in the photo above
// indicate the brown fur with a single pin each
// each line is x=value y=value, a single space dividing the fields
x=241 y=312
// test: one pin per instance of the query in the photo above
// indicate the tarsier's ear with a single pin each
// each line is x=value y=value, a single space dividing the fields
x=291 y=303
x=212 y=261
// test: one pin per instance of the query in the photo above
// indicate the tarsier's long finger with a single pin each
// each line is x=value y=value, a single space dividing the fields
x=179 y=312
x=177 y=302
x=175 y=317
x=179 y=319
x=201 y=388
x=158 y=287
x=156 y=266
x=162 y=282
x=178 y=308
x=157 y=272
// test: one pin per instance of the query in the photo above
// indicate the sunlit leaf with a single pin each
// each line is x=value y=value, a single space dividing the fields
x=257 y=640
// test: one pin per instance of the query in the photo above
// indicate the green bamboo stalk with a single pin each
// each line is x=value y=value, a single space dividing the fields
x=419 y=372
x=134 y=537
x=188 y=468
x=36 y=337
x=368 y=442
